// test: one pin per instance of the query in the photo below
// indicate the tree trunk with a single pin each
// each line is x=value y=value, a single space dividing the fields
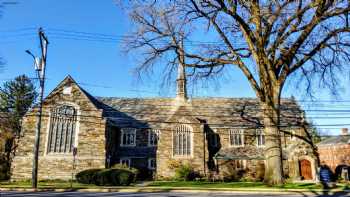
x=273 y=148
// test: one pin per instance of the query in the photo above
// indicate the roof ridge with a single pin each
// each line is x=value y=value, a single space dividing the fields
x=193 y=98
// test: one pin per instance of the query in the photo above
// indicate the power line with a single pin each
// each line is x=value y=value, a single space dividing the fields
x=18 y=30
x=98 y=37
x=136 y=119
x=236 y=107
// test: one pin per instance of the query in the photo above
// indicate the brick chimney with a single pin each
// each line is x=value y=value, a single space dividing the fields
x=181 y=92
x=344 y=131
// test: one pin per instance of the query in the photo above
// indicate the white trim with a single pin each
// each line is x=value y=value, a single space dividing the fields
x=149 y=166
x=190 y=129
x=243 y=164
x=234 y=132
x=157 y=132
x=126 y=130
x=67 y=90
x=258 y=133
x=47 y=133
x=128 y=159
x=77 y=126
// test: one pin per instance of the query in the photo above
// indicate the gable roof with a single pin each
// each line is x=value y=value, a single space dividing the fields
x=335 y=140
x=217 y=112
x=247 y=152
x=69 y=80
x=241 y=153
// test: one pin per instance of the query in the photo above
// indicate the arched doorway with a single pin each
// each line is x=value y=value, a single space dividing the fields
x=305 y=169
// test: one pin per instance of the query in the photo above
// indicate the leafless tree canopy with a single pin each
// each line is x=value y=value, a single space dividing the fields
x=273 y=37
x=268 y=40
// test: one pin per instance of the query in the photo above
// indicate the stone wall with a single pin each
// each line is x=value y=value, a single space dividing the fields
x=253 y=170
x=199 y=157
x=98 y=139
x=291 y=146
x=165 y=157
x=90 y=133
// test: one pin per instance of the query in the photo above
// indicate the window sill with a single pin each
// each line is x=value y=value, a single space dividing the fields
x=182 y=156
x=236 y=146
x=134 y=145
x=59 y=155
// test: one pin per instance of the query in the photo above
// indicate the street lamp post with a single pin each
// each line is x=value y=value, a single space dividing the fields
x=40 y=65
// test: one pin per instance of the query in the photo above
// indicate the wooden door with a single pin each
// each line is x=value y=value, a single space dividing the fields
x=305 y=169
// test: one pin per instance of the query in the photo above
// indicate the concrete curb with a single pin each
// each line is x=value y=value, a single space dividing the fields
x=185 y=190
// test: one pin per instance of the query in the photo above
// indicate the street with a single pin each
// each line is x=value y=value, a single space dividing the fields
x=159 y=194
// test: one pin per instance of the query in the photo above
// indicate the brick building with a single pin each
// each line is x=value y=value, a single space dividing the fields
x=335 y=151
x=212 y=134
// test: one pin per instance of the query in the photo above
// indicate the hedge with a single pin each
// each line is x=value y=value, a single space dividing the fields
x=112 y=176
x=4 y=169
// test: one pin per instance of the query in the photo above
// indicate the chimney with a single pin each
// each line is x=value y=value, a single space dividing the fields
x=181 y=92
x=344 y=131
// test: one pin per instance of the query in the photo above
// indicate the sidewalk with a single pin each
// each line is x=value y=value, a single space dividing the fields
x=185 y=189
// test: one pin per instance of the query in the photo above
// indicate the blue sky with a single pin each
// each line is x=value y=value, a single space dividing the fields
x=100 y=67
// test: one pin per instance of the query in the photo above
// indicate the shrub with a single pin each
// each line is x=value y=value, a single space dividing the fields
x=102 y=177
x=145 y=174
x=4 y=169
x=229 y=173
x=114 y=177
x=87 y=176
x=125 y=167
x=135 y=171
x=173 y=164
x=185 y=173
x=120 y=166
x=260 y=172
x=106 y=176
x=125 y=178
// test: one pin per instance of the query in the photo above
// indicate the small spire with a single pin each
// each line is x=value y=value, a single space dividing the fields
x=181 y=93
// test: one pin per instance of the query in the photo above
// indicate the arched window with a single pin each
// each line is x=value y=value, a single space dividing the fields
x=182 y=141
x=62 y=129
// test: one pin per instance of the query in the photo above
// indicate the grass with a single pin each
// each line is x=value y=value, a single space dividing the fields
x=47 y=184
x=204 y=185
x=201 y=185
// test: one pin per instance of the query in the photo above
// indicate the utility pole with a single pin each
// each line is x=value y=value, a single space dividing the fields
x=40 y=65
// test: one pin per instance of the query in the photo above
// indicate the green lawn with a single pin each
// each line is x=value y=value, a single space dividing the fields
x=202 y=184
x=57 y=184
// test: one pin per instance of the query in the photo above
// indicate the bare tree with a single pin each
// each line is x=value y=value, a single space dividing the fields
x=269 y=41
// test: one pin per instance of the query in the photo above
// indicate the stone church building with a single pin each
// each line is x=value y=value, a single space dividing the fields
x=221 y=136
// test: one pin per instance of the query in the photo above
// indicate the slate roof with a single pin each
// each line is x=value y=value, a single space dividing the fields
x=217 y=112
x=335 y=140
x=245 y=153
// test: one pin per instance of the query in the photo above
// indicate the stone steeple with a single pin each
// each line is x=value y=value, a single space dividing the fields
x=181 y=92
